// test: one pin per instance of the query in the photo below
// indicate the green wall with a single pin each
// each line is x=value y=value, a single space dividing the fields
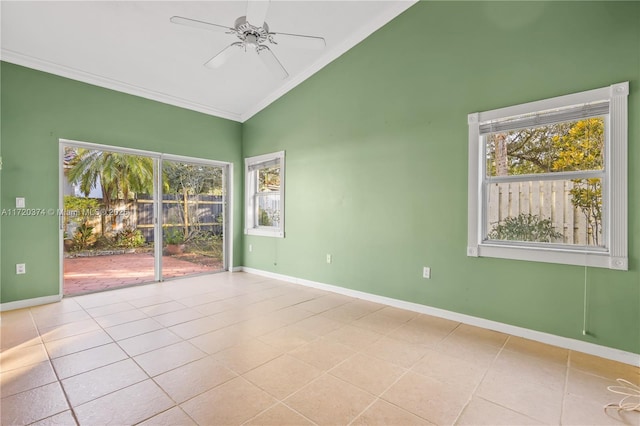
x=376 y=157
x=37 y=110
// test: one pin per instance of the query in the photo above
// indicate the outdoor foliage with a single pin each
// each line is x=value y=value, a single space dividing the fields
x=525 y=227
x=129 y=238
x=560 y=147
x=84 y=237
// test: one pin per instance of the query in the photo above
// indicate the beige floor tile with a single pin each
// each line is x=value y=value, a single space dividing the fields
x=481 y=412
x=352 y=311
x=354 y=337
x=288 y=338
x=537 y=349
x=148 y=341
x=399 y=352
x=381 y=413
x=134 y=328
x=380 y=322
x=322 y=353
x=580 y=411
x=63 y=419
x=172 y=417
x=330 y=401
x=448 y=369
x=194 y=378
x=423 y=331
x=33 y=405
x=247 y=356
x=156 y=299
x=468 y=350
x=126 y=406
x=77 y=343
x=178 y=317
x=591 y=387
x=25 y=378
x=18 y=357
x=527 y=385
x=95 y=300
x=48 y=320
x=279 y=415
x=231 y=403
x=102 y=381
x=216 y=307
x=67 y=304
x=371 y=374
x=480 y=335
x=101 y=311
x=318 y=325
x=71 y=329
x=219 y=340
x=120 y=318
x=80 y=362
x=438 y=402
x=19 y=335
x=169 y=357
x=604 y=367
x=162 y=308
x=324 y=303
x=191 y=329
x=282 y=376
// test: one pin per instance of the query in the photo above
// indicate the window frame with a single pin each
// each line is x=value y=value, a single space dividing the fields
x=250 y=178
x=614 y=184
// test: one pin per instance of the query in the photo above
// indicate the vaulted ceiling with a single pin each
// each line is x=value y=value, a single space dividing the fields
x=131 y=46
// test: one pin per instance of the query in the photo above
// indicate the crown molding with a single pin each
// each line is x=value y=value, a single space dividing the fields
x=334 y=53
x=108 y=83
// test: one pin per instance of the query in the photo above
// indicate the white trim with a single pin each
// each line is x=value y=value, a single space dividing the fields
x=250 y=190
x=27 y=303
x=108 y=83
x=551 y=339
x=614 y=181
x=372 y=26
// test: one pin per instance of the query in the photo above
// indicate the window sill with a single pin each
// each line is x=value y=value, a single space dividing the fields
x=550 y=255
x=265 y=232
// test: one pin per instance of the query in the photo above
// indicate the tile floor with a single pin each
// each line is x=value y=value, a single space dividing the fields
x=231 y=349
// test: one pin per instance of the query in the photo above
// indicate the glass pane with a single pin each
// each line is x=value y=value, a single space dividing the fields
x=192 y=209
x=108 y=220
x=269 y=179
x=557 y=211
x=560 y=147
x=268 y=209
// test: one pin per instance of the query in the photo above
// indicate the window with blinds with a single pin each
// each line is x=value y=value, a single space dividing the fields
x=264 y=195
x=547 y=180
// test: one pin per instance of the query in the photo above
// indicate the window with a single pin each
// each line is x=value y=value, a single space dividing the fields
x=548 y=180
x=264 y=192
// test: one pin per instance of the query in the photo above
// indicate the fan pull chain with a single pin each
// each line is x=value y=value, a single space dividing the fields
x=631 y=392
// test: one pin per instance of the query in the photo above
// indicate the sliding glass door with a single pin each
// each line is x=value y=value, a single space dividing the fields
x=130 y=217
x=193 y=217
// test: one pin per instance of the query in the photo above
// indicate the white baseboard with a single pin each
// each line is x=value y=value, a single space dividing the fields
x=551 y=339
x=237 y=269
x=27 y=303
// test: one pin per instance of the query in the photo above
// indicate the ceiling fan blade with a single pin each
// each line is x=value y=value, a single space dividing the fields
x=199 y=24
x=257 y=12
x=271 y=62
x=299 y=41
x=224 y=55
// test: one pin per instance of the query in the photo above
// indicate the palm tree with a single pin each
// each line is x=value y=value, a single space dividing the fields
x=118 y=174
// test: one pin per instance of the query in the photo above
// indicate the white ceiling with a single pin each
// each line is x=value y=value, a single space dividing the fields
x=132 y=47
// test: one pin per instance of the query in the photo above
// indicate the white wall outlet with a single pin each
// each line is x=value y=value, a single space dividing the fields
x=250 y=248
x=21 y=268
x=20 y=203
x=328 y=258
x=426 y=272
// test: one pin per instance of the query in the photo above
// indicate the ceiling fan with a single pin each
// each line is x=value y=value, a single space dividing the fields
x=253 y=32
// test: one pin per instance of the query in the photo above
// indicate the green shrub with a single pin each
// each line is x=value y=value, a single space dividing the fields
x=129 y=238
x=525 y=227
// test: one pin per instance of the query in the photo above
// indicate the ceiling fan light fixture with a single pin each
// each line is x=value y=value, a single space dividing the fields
x=251 y=42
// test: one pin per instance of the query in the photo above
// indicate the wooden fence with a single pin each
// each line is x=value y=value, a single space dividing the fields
x=546 y=199
x=205 y=212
